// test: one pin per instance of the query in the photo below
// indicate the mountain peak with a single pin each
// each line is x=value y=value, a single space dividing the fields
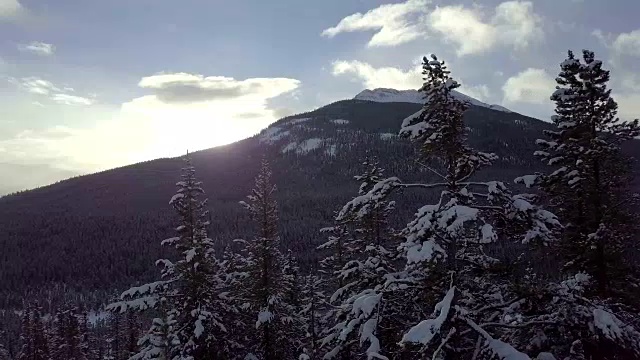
x=414 y=96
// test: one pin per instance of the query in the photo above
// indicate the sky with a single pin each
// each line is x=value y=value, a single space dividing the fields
x=90 y=85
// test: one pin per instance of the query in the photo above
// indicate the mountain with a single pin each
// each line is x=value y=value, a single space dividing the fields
x=101 y=231
x=414 y=96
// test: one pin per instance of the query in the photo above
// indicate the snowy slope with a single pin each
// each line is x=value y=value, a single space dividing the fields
x=414 y=96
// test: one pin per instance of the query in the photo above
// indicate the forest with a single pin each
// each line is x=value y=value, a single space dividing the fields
x=439 y=287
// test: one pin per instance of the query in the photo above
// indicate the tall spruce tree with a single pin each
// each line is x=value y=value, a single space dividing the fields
x=266 y=288
x=582 y=316
x=370 y=260
x=312 y=314
x=192 y=287
x=444 y=246
x=33 y=336
x=589 y=184
x=68 y=340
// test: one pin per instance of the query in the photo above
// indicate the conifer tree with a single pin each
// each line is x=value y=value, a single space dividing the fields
x=589 y=184
x=266 y=288
x=160 y=342
x=584 y=316
x=191 y=288
x=443 y=249
x=313 y=300
x=371 y=257
x=33 y=336
x=67 y=340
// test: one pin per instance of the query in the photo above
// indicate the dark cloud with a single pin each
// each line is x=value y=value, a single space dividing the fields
x=190 y=92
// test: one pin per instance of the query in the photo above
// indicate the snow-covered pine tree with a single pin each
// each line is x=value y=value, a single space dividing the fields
x=264 y=288
x=589 y=184
x=33 y=336
x=581 y=317
x=114 y=337
x=444 y=246
x=161 y=341
x=26 y=334
x=192 y=288
x=369 y=261
x=67 y=339
x=312 y=314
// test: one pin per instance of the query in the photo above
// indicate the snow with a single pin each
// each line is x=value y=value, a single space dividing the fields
x=331 y=150
x=309 y=145
x=273 y=134
x=506 y=351
x=340 y=121
x=199 y=330
x=488 y=235
x=387 y=136
x=290 y=147
x=608 y=323
x=545 y=356
x=298 y=121
x=93 y=317
x=264 y=316
x=385 y=95
x=304 y=146
x=527 y=180
x=423 y=252
x=175 y=198
x=426 y=330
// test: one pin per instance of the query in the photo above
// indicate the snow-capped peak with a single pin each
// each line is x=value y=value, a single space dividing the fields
x=414 y=96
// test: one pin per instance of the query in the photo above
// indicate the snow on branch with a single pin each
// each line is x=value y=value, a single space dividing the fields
x=503 y=350
x=363 y=204
x=426 y=330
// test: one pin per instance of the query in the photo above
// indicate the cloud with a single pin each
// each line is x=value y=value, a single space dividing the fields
x=480 y=92
x=627 y=43
x=10 y=9
x=533 y=86
x=628 y=105
x=73 y=100
x=383 y=77
x=35 y=85
x=38 y=48
x=45 y=88
x=394 y=23
x=513 y=23
x=189 y=88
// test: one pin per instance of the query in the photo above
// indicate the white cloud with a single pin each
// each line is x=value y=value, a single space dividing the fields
x=382 y=77
x=533 y=86
x=464 y=28
x=513 y=23
x=10 y=9
x=42 y=87
x=35 y=85
x=394 y=23
x=479 y=92
x=628 y=104
x=517 y=24
x=627 y=43
x=67 y=99
x=38 y=48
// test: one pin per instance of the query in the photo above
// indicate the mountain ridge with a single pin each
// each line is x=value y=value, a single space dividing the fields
x=416 y=97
